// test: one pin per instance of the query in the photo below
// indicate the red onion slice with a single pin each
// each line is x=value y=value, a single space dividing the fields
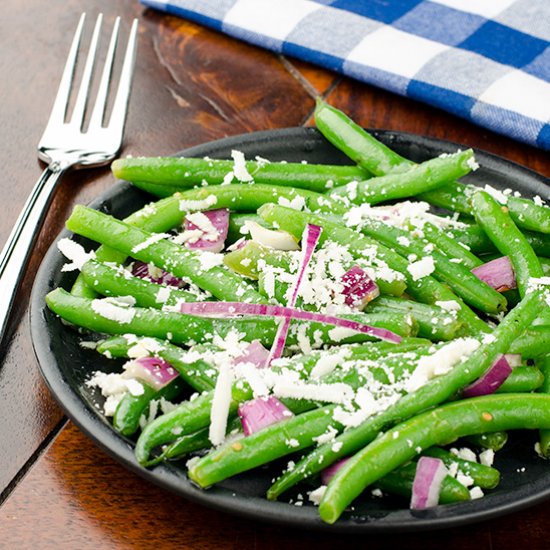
x=142 y=270
x=498 y=274
x=254 y=353
x=210 y=235
x=491 y=380
x=155 y=372
x=328 y=473
x=230 y=309
x=429 y=475
x=310 y=238
x=261 y=412
x=359 y=288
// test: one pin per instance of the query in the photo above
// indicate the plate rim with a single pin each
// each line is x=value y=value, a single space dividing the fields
x=281 y=513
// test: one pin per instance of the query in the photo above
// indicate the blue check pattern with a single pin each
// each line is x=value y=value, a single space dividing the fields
x=487 y=61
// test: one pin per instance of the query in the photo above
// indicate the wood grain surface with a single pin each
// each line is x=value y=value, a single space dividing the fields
x=57 y=489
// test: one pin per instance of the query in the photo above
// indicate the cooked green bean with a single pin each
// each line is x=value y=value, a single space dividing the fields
x=180 y=173
x=418 y=178
x=441 y=425
x=533 y=343
x=131 y=407
x=544 y=435
x=433 y=393
x=496 y=222
x=116 y=281
x=461 y=280
x=483 y=476
x=145 y=246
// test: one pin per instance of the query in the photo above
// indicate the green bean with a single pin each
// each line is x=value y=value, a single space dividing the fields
x=522 y=379
x=533 y=343
x=441 y=425
x=483 y=476
x=496 y=222
x=544 y=435
x=380 y=160
x=131 y=407
x=425 y=289
x=418 y=178
x=433 y=322
x=461 y=280
x=478 y=242
x=186 y=329
x=155 y=217
x=248 y=198
x=356 y=143
x=161 y=430
x=116 y=281
x=457 y=197
x=433 y=393
x=400 y=482
x=450 y=246
x=494 y=441
x=186 y=418
x=182 y=173
x=182 y=262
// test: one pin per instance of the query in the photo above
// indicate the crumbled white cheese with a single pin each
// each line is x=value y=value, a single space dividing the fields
x=448 y=305
x=193 y=205
x=499 y=196
x=464 y=453
x=209 y=260
x=114 y=387
x=316 y=495
x=239 y=167
x=75 y=253
x=220 y=405
x=297 y=203
x=163 y=295
x=476 y=492
x=156 y=237
x=487 y=457
x=114 y=312
x=440 y=362
x=421 y=268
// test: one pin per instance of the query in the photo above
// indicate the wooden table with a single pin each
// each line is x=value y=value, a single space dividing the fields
x=57 y=489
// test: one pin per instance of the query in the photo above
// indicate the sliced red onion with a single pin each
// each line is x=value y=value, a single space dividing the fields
x=328 y=473
x=254 y=353
x=359 y=288
x=491 y=380
x=214 y=240
x=430 y=473
x=155 y=372
x=230 y=309
x=261 y=412
x=141 y=270
x=310 y=238
x=498 y=274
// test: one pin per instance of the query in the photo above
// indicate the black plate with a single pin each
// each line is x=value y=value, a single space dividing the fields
x=65 y=366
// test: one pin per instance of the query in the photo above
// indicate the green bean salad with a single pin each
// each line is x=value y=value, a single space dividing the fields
x=382 y=325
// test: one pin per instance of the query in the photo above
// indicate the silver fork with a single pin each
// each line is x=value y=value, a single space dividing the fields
x=64 y=145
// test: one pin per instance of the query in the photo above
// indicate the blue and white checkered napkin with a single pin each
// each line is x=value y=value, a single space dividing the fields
x=485 y=60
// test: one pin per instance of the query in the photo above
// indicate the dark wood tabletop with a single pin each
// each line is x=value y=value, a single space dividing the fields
x=192 y=85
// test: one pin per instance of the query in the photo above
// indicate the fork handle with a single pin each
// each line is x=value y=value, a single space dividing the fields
x=15 y=253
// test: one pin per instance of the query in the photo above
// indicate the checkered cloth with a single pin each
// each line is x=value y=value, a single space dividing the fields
x=487 y=61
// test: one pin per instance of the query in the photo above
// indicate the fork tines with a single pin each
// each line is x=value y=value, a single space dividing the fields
x=116 y=123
